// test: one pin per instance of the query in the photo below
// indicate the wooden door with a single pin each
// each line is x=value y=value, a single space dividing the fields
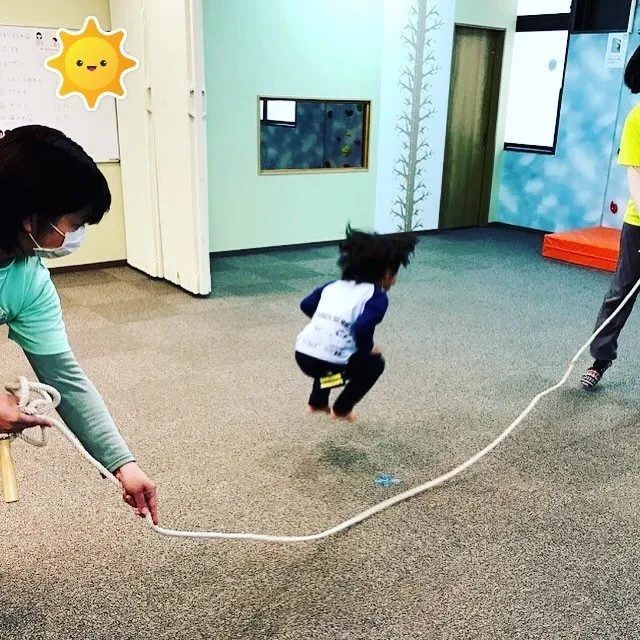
x=471 y=127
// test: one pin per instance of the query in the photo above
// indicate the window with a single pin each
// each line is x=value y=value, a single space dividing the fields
x=537 y=75
x=540 y=7
x=313 y=135
x=597 y=16
x=278 y=113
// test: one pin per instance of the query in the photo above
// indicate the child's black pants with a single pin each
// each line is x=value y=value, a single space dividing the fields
x=360 y=374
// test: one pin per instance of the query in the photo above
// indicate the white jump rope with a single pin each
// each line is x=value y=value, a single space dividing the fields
x=36 y=398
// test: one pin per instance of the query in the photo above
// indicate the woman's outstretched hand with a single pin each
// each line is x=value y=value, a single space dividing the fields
x=138 y=491
x=12 y=420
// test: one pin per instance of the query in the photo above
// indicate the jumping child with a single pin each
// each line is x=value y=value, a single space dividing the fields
x=336 y=348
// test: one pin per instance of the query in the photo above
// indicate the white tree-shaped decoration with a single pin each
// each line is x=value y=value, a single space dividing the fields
x=418 y=108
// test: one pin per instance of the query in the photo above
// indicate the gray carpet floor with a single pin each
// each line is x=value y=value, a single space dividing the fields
x=539 y=540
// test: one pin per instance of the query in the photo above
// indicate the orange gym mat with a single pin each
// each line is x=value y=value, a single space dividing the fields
x=596 y=248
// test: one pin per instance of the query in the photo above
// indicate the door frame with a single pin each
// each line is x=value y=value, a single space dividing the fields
x=197 y=113
x=494 y=109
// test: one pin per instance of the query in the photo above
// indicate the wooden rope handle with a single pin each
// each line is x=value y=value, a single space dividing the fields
x=8 y=469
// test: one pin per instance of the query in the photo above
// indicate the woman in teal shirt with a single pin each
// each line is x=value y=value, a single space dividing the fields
x=49 y=190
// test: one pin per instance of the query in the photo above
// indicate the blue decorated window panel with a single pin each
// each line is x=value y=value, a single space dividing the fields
x=313 y=135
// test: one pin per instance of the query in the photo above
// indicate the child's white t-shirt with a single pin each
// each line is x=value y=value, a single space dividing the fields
x=344 y=315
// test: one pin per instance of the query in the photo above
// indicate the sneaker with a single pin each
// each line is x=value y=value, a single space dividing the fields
x=593 y=375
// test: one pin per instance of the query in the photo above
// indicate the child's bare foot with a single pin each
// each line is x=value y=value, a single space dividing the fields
x=349 y=417
x=311 y=409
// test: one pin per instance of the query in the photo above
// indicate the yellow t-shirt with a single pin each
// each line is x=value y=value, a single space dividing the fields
x=630 y=157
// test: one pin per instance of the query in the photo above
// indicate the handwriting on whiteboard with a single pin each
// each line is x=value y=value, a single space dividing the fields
x=28 y=94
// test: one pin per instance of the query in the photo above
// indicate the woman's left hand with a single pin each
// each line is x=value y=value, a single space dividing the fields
x=137 y=490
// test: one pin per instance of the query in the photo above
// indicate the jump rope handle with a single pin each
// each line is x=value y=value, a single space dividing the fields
x=8 y=469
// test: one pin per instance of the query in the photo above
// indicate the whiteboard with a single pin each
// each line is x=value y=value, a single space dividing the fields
x=28 y=94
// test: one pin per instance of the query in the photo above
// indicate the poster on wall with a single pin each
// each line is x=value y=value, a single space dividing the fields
x=617 y=45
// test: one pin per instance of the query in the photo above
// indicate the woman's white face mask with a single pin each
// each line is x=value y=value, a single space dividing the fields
x=72 y=241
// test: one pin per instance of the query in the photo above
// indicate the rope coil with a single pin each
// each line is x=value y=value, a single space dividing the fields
x=34 y=399
x=37 y=398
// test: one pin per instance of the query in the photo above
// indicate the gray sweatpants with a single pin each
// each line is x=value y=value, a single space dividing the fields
x=605 y=346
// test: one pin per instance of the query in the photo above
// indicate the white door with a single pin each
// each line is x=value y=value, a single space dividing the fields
x=137 y=152
x=165 y=124
x=177 y=99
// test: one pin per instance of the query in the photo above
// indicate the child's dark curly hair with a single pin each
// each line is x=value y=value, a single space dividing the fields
x=369 y=257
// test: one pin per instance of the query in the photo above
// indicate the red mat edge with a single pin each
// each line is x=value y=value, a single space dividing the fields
x=581 y=260
x=569 y=252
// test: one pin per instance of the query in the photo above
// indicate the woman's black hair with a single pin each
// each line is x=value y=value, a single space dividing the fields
x=632 y=72
x=43 y=176
x=369 y=257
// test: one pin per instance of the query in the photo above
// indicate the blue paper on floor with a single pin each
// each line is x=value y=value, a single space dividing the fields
x=387 y=480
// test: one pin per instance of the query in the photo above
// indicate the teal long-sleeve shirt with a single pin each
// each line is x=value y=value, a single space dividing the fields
x=82 y=408
x=30 y=306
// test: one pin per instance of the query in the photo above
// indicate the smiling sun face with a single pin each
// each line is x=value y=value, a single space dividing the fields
x=91 y=63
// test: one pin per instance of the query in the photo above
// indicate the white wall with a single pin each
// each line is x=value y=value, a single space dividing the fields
x=497 y=14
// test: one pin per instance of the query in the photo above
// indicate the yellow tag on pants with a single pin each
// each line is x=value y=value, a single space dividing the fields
x=330 y=382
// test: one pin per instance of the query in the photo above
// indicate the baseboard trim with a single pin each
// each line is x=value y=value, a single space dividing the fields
x=515 y=227
x=282 y=247
x=334 y=243
x=293 y=247
x=94 y=266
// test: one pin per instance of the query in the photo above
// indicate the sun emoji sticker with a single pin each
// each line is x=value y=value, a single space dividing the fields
x=91 y=63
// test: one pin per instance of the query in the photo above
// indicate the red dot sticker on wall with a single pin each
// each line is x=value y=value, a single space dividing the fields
x=614 y=207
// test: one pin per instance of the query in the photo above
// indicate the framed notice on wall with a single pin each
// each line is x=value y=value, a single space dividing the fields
x=616 y=55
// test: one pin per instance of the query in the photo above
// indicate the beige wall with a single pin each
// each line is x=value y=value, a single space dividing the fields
x=105 y=242
x=500 y=14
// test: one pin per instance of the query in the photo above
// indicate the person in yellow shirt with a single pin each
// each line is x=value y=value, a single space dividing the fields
x=604 y=348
